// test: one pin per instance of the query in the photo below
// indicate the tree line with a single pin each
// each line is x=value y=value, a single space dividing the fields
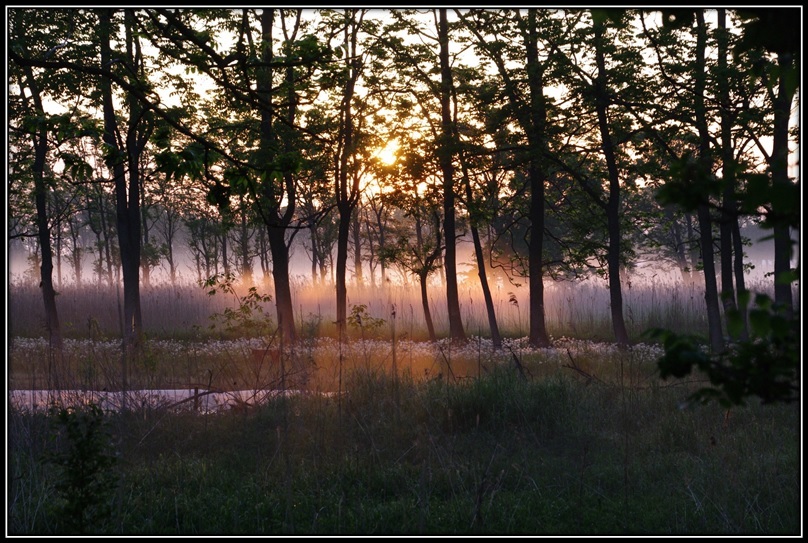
x=562 y=142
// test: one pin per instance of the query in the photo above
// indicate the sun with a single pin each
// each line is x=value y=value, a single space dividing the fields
x=387 y=154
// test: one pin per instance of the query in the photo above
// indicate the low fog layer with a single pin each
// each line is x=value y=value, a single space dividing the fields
x=759 y=254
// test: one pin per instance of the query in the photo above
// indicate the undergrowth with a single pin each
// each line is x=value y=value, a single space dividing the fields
x=505 y=453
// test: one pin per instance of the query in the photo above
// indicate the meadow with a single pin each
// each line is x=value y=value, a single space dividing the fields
x=183 y=311
x=392 y=434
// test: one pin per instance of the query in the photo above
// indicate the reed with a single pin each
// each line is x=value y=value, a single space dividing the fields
x=579 y=310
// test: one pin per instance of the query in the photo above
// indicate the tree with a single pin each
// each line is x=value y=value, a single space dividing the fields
x=75 y=227
x=692 y=168
x=316 y=205
x=261 y=160
x=702 y=173
x=520 y=36
x=151 y=254
x=481 y=189
x=416 y=61
x=728 y=222
x=767 y=364
x=360 y=60
x=36 y=35
x=777 y=32
x=446 y=150
x=172 y=205
x=99 y=220
x=244 y=234
x=280 y=172
x=38 y=132
x=377 y=219
x=476 y=217
x=596 y=91
x=203 y=242
x=416 y=247
x=418 y=255
x=347 y=195
x=123 y=161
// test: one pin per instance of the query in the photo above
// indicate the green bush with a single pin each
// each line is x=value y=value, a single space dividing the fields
x=84 y=459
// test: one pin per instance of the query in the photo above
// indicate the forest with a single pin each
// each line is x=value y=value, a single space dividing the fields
x=449 y=184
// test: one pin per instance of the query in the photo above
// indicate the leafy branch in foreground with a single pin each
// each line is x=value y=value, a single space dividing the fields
x=766 y=365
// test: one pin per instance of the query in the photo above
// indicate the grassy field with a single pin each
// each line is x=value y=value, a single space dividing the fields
x=580 y=439
x=579 y=310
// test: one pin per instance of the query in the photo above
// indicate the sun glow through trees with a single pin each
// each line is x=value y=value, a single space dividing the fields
x=388 y=154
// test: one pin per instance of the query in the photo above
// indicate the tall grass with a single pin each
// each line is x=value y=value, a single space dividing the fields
x=579 y=438
x=602 y=451
x=579 y=310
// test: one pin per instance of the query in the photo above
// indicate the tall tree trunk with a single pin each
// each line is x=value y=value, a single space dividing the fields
x=203 y=248
x=703 y=212
x=685 y=267
x=261 y=250
x=779 y=169
x=378 y=213
x=315 y=254
x=105 y=231
x=286 y=312
x=57 y=227
x=40 y=143
x=244 y=245
x=430 y=327
x=128 y=197
x=225 y=229
x=342 y=265
x=496 y=338
x=128 y=232
x=346 y=196
x=740 y=281
x=145 y=262
x=446 y=150
x=536 y=134
x=198 y=264
x=76 y=249
x=283 y=290
x=729 y=215
x=693 y=247
x=275 y=221
x=613 y=203
x=357 y=246
x=371 y=252
x=129 y=246
x=98 y=264
x=172 y=264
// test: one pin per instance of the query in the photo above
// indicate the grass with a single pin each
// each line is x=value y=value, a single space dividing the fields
x=584 y=440
x=578 y=439
x=182 y=312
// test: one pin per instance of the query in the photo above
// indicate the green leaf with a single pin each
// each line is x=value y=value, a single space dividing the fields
x=760 y=322
x=734 y=323
x=787 y=277
x=743 y=299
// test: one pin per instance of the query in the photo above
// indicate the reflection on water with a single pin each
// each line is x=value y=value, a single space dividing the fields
x=203 y=401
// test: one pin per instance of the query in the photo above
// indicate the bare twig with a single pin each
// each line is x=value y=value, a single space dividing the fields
x=589 y=376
